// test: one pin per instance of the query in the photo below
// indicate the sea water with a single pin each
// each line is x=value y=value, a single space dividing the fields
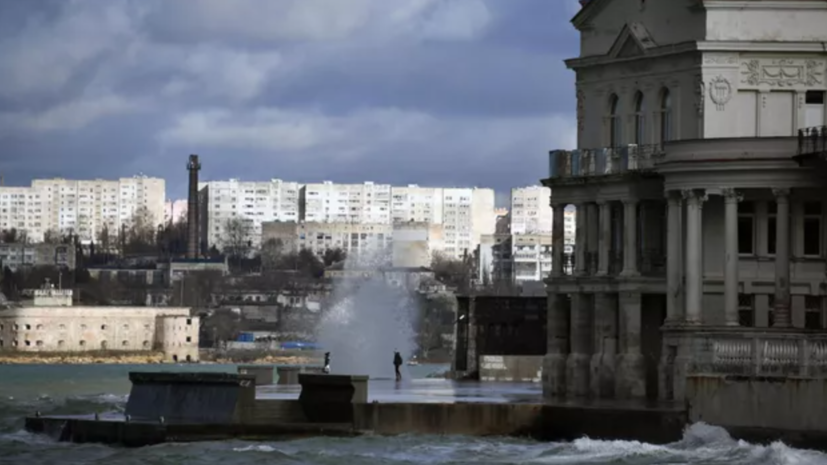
x=100 y=388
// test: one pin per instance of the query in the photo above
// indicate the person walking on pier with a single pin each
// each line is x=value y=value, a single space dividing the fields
x=397 y=362
x=326 y=368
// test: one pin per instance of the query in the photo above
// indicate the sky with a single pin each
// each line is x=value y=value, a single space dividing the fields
x=430 y=92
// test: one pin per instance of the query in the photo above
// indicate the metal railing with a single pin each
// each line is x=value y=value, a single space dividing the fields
x=812 y=141
x=750 y=352
x=603 y=161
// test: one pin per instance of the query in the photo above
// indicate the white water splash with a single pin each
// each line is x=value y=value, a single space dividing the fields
x=371 y=320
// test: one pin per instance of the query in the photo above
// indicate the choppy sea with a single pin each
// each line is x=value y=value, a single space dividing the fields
x=52 y=389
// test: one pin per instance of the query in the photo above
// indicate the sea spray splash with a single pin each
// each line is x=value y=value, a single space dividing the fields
x=370 y=320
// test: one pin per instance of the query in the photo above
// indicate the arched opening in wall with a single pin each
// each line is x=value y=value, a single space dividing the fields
x=615 y=128
x=39 y=326
x=82 y=343
x=174 y=358
x=103 y=327
x=146 y=344
x=640 y=119
x=124 y=343
x=39 y=343
x=189 y=359
x=665 y=115
x=104 y=345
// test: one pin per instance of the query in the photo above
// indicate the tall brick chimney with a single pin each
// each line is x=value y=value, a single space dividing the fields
x=192 y=208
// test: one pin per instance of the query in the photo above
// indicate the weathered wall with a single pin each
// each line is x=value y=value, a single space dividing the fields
x=772 y=403
x=178 y=337
x=511 y=368
x=83 y=329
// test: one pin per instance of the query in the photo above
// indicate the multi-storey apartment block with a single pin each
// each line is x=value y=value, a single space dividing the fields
x=531 y=210
x=416 y=204
x=81 y=207
x=329 y=202
x=248 y=202
x=699 y=224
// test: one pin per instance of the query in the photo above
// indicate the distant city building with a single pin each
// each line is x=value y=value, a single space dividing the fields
x=24 y=255
x=82 y=207
x=175 y=211
x=249 y=202
x=329 y=202
x=531 y=210
x=403 y=245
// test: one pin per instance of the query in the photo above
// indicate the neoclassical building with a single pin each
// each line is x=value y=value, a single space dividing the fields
x=701 y=238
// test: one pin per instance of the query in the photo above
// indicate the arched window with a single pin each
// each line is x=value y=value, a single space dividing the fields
x=665 y=116
x=615 y=128
x=640 y=119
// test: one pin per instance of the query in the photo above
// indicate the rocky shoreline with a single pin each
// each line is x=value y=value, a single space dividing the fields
x=142 y=359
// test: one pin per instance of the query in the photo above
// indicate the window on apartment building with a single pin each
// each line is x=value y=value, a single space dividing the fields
x=640 y=119
x=665 y=115
x=615 y=122
x=812 y=229
x=746 y=228
x=814 y=108
x=812 y=312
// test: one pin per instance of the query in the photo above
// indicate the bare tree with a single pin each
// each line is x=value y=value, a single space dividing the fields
x=139 y=237
x=332 y=256
x=9 y=236
x=237 y=240
x=105 y=239
x=51 y=236
x=455 y=273
x=271 y=252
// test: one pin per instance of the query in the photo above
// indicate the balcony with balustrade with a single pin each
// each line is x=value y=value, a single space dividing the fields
x=812 y=147
x=582 y=165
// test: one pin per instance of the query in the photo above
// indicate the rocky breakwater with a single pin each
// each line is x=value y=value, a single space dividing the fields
x=81 y=358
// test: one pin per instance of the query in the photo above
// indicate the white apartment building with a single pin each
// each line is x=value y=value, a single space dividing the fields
x=468 y=214
x=318 y=237
x=328 y=202
x=250 y=202
x=82 y=207
x=416 y=204
x=531 y=210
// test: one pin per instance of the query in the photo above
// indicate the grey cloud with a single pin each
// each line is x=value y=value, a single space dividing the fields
x=408 y=91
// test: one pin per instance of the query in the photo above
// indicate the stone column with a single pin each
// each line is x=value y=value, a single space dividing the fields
x=630 y=379
x=782 y=258
x=629 y=238
x=605 y=237
x=558 y=243
x=694 y=254
x=602 y=369
x=577 y=363
x=593 y=234
x=581 y=230
x=674 y=257
x=554 y=363
x=731 y=199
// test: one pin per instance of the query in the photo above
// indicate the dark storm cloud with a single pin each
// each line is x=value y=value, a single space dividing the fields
x=452 y=92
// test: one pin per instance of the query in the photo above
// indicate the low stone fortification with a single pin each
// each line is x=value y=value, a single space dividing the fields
x=92 y=357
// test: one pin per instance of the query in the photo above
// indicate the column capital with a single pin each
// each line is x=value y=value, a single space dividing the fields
x=698 y=195
x=601 y=202
x=631 y=201
x=732 y=195
x=781 y=193
x=673 y=197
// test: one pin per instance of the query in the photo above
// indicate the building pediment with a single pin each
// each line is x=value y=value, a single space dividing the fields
x=634 y=40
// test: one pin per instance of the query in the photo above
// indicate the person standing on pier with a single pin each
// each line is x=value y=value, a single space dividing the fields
x=397 y=362
x=326 y=368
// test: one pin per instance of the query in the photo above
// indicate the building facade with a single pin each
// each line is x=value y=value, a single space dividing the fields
x=82 y=207
x=329 y=202
x=54 y=325
x=250 y=203
x=531 y=210
x=696 y=222
x=24 y=255
x=175 y=211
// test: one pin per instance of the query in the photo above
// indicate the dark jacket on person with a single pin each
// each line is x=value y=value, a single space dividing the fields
x=397 y=359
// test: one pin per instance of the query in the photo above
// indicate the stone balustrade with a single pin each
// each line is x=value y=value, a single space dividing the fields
x=760 y=352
